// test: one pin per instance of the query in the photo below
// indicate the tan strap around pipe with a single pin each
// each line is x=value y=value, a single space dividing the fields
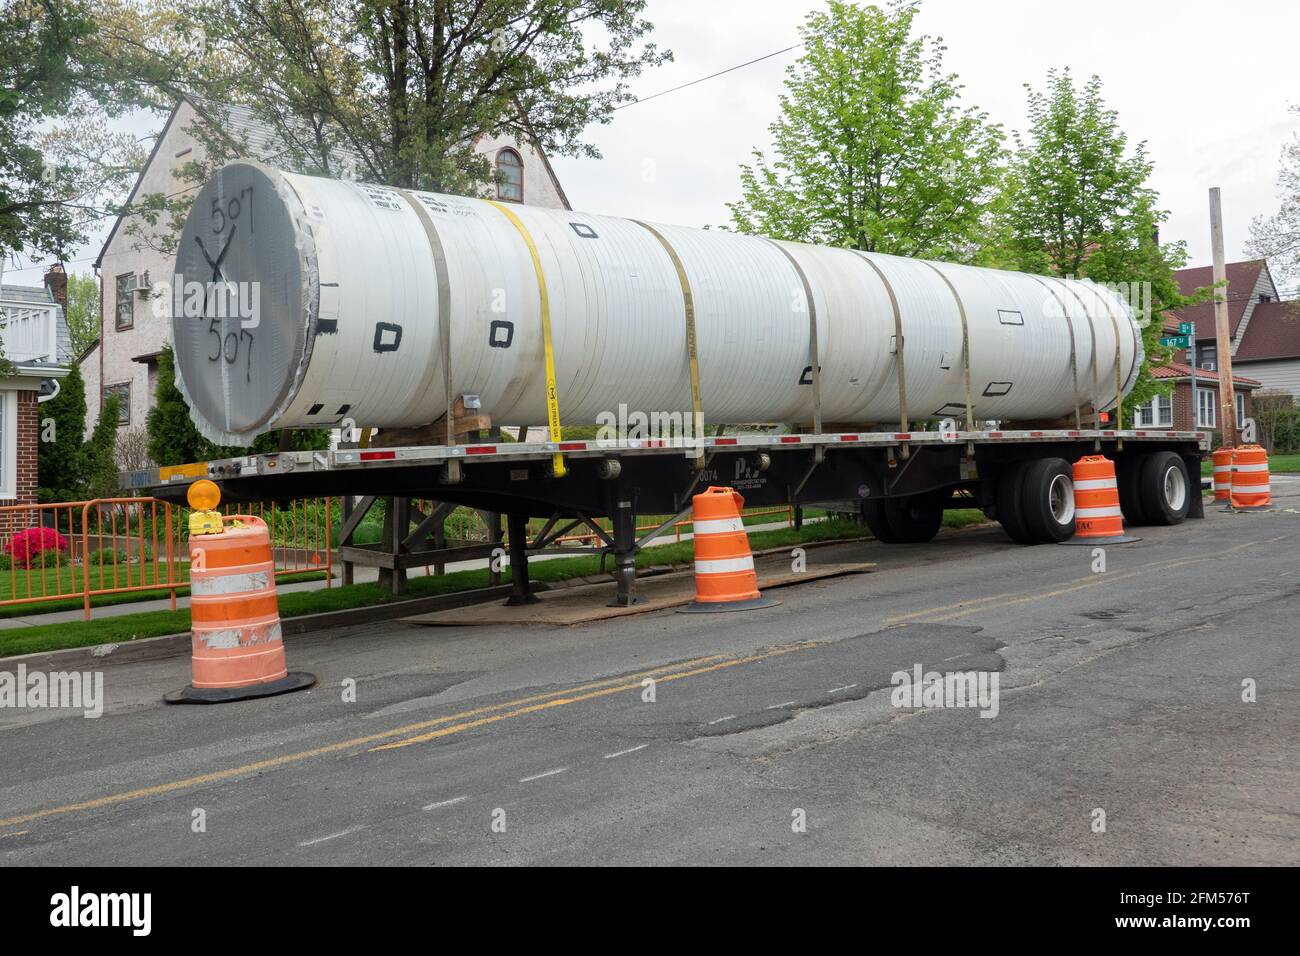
x=814 y=358
x=1074 y=354
x=904 y=423
x=965 y=343
x=444 y=309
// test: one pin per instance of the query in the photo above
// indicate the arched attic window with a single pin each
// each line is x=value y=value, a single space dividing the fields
x=510 y=176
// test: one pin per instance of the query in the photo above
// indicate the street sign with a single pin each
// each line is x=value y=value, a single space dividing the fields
x=1185 y=328
x=1177 y=341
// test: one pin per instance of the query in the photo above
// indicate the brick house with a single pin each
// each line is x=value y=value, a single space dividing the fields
x=124 y=360
x=1175 y=410
x=34 y=336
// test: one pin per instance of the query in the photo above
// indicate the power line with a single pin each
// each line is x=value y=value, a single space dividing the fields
x=730 y=69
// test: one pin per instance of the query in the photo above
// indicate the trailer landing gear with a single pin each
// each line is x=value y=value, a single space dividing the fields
x=521 y=591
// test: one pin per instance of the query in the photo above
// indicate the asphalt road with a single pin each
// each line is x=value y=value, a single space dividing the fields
x=1118 y=691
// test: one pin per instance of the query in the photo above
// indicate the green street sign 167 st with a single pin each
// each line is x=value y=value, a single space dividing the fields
x=1177 y=341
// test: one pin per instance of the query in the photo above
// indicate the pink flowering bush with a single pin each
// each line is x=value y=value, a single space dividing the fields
x=26 y=546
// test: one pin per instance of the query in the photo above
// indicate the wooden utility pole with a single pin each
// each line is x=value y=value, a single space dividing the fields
x=1227 y=399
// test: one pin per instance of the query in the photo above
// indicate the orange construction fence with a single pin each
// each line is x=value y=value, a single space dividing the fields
x=83 y=550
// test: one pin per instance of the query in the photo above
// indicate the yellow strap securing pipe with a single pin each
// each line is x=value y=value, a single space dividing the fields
x=552 y=393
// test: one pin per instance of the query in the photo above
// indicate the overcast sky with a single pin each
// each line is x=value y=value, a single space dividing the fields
x=1207 y=85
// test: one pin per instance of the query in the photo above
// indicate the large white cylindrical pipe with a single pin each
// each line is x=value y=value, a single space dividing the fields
x=324 y=301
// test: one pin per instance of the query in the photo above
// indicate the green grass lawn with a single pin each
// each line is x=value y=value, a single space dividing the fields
x=24 y=585
x=1277 y=464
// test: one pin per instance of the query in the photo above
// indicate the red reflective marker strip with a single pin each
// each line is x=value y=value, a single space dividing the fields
x=480 y=449
x=573 y=446
x=378 y=455
x=724 y=441
x=790 y=439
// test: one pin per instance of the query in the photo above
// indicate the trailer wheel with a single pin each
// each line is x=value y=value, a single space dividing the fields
x=1164 y=487
x=1010 y=502
x=1047 y=499
x=873 y=512
x=917 y=518
x=1128 y=472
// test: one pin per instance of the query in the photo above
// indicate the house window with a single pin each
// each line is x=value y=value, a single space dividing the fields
x=125 y=302
x=1265 y=297
x=1206 y=400
x=123 y=392
x=1241 y=409
x=1157 y=413
x=510 y=176
x=1209 y=357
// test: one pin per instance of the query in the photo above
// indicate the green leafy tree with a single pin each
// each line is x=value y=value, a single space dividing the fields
x=1078 y=203
x=82 y=311
x=61 y=166
x=173 y=439
x=1277 y=237
x=873 y=149
x=99 y=471
x=59 y=457
x=392 y=91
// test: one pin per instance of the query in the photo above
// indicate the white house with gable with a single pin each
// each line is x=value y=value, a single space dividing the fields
x=130 y=264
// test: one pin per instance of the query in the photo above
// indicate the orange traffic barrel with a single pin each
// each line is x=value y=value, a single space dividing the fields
x=1098 y=518
x=1222 y=474
x=238 y=651
x=725 y=579
x=1250 y=483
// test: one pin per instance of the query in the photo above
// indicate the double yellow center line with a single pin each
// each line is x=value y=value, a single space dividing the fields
x=427 y=730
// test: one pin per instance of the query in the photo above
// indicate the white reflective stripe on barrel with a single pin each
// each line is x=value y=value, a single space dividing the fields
x=226 y=638
x=1262 y=466
x=725 y=565
x=1098 y=513
x=230 y=583
x=1253 y=489
x=718 y=525
x=1095 y=484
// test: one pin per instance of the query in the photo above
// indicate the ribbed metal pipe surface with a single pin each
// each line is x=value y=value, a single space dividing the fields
x=354 y=287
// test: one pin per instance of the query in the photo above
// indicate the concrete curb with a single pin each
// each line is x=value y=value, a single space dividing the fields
x=171 y=645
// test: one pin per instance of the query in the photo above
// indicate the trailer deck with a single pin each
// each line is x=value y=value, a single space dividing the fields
x=621 y=479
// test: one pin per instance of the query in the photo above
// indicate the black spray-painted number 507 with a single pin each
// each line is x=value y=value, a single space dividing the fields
x=229 y=346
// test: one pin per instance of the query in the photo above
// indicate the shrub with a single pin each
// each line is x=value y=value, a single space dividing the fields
x=25 y=547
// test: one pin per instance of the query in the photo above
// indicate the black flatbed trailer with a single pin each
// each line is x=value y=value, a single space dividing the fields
x=898 y=482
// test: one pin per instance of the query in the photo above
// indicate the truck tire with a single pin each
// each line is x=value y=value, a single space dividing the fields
x=873 y=512
x=916 y=519
x=1047 y=500
x=1128 y=474
x=1164 y=487
x=1010 y=502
